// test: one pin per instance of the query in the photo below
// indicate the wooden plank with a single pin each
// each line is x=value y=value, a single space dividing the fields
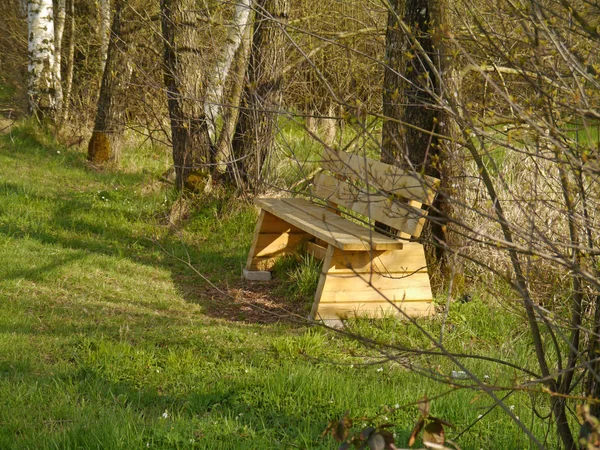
x=411 y=259
x=417 y=294
x=375 y=288
x=273 y=224
x=375 y=310
x=272 y=238
x=381 y=176
x=257 y=227
x=322 y=280
x=388 y=210
x=270 y=244
x=325 y=225
x=319 y=251
x=265 y=263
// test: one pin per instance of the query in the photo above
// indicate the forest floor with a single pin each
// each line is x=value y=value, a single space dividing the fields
x=121 y=330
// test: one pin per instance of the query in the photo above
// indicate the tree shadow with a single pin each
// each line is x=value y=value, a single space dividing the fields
x=220 y=293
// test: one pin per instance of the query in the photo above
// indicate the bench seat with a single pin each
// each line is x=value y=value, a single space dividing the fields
x=326 y=225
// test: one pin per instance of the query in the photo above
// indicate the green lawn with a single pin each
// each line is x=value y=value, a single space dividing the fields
x=108 y=342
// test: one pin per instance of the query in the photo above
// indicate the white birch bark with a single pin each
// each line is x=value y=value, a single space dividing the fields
x=220 y=71
x=41 y=82
x=104 y=32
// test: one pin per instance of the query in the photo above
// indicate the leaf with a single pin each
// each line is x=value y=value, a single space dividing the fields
x=376 y=442
x=388 y=438
x=442 y=421
x=424 y=407
x=329 y=428
x=364 y=434
x=415 y=432
x=341 y=430
x=434 y=434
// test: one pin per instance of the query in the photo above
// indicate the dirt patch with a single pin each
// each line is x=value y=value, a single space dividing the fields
x=6 y=125
x=249 y=303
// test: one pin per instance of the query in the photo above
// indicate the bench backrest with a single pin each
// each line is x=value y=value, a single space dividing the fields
x=379 y=191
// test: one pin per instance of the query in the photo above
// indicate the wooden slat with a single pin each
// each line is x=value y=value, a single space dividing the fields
x=257 y=227
x=270 y=244
x=389 y=211
x=381 y=176
x=374 y=310
x=376 y=288
x=273 y=224
x=319 y=251
x=322 y=279
x=411 y=259
x=264 y=263
x=325 y=225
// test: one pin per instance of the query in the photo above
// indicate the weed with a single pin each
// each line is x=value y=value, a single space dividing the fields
x=299 y=275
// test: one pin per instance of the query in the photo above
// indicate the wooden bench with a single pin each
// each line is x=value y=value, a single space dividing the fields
x=365 y=272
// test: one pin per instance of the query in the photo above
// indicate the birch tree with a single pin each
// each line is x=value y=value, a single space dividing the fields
x=218 y=75
x=224 y=159
x=255 y=131
x=41 y=66
x=104 y=29
x=69 y=62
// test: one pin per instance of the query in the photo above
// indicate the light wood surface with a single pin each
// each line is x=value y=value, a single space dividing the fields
x=364 y=273
x=326 y=225
x=381 y=176
x=374 y=205
x=374 y=310
x=408 y=260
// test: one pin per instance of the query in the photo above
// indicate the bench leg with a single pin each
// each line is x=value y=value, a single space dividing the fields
x=272 y=239
x=373 y=284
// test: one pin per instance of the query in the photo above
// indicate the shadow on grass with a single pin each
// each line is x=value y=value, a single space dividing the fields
x=107 y=229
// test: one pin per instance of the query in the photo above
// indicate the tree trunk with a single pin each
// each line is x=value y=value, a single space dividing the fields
x=106 y=138
x=59 y=28
x=41 y=80
x=219 y=73
x=409 y=89
x=69 y=63
x=231 y=108
x=414 y=80
x=262 y=95
x=192 y=151
x=22 y=11
x=104 y=30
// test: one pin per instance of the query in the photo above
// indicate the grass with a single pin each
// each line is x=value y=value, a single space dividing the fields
x=107 y=342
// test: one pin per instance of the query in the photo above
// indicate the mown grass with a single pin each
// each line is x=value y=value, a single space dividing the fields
x=108 y=342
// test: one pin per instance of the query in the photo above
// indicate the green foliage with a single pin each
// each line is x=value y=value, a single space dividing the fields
x=299 y=275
